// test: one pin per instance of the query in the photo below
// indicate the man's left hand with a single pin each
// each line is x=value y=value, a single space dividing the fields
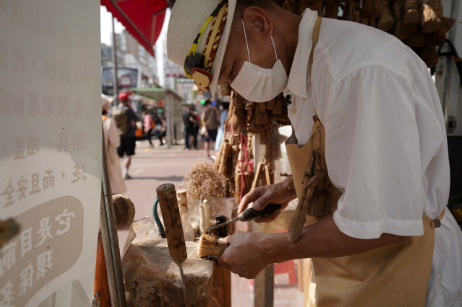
x=245 y=256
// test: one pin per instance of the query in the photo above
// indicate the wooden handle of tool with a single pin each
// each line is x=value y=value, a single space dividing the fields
x=172 y=220
x=257 y=175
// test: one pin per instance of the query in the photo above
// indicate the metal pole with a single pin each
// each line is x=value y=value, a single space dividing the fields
x=111 y=240
x=168 y=116
x=114 y=61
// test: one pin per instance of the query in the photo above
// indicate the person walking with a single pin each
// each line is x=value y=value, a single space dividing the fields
x=159 y=130
x=149 y=125
x=210 y=119
x=191 y=124
x=125 y=119
x=112 y=141
x=221 y=131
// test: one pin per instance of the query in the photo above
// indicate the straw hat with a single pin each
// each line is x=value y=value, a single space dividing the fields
x=105 y=102
x=186 y=20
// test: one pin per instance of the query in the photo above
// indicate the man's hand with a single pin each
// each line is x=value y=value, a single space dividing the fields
x=262 y=196
x=244 y=256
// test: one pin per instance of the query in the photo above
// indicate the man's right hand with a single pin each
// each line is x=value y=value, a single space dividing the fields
x=262 y=196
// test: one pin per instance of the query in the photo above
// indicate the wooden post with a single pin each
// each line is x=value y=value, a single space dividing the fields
x=172 y=221
x=174 y=230
x=221 y=296
x=264 y=292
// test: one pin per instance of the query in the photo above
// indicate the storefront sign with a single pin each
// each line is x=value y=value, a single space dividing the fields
x=50 y=145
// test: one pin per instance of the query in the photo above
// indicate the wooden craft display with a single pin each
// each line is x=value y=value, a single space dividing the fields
x=420 y=24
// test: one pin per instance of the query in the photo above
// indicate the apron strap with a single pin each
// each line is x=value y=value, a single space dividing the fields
x=317 y=27
x=436 y=223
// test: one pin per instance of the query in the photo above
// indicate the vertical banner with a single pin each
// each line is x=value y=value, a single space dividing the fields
x=50 y=145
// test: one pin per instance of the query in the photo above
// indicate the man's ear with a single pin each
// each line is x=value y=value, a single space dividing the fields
x=256 y=17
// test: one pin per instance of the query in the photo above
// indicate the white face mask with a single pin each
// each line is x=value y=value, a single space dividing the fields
x=258 y=84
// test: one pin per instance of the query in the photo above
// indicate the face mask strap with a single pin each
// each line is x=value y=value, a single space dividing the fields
x=246 y=44
x=274 y=46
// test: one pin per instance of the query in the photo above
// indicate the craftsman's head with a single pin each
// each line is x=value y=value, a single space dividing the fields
x=256 y=25
x=253 y=41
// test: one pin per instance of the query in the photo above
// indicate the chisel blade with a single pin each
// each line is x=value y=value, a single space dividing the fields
x=223 y=224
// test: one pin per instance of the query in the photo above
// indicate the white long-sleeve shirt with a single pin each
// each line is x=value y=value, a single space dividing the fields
x=386 y=146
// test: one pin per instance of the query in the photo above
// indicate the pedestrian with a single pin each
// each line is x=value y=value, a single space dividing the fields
x=210 y=120
x=159 y=130
x=112 y=141
x=369 y=148
x=149 y=125
x=221 y=131
x=184 y=116
x=191 y=124
x=125 y=119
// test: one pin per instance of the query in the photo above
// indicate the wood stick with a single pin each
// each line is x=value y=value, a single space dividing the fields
x=224 y=159
x=268 y=175
x=257 y=175
x=237 y=189
x=182 y=201
x=172 y=221
x=207 y=213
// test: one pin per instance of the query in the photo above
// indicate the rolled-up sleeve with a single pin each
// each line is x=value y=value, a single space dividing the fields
x=373 y=154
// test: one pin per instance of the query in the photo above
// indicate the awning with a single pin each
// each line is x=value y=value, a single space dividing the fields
x=156 y=93
x=142 y=18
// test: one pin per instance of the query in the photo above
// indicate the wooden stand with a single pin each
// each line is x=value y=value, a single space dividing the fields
x=221 y=296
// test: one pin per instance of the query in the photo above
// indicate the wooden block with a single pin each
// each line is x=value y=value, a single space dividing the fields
x=221 y=294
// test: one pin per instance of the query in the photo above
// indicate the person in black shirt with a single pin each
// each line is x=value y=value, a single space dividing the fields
x=128 y=140
x=190 y=128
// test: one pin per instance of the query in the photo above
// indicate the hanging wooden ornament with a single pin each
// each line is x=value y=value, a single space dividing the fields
x=439 y=36
x=367 y=8
x=411 y=18
x=386 y=21
x=316 y=6
x=378 y=8
x=398 y=12
x=332 y=10
x=416 y=40
x=430 y=21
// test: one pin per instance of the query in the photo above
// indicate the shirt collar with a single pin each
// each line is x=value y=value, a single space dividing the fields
x=299 y=70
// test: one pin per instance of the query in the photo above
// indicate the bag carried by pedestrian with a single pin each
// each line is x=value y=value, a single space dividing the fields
x=121 y=119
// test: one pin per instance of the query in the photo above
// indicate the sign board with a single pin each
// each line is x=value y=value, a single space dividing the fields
x=126 y=81
x=50 y=145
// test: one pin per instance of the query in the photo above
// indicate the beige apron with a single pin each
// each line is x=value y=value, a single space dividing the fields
x=396 y=275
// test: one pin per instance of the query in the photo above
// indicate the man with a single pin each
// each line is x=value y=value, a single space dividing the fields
x=223 y=116
x=126 y=119
x=159 y=130
x=112 y=141
x=190 y=128
x=377 y=131
x=211 y=122
x=148 y=125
